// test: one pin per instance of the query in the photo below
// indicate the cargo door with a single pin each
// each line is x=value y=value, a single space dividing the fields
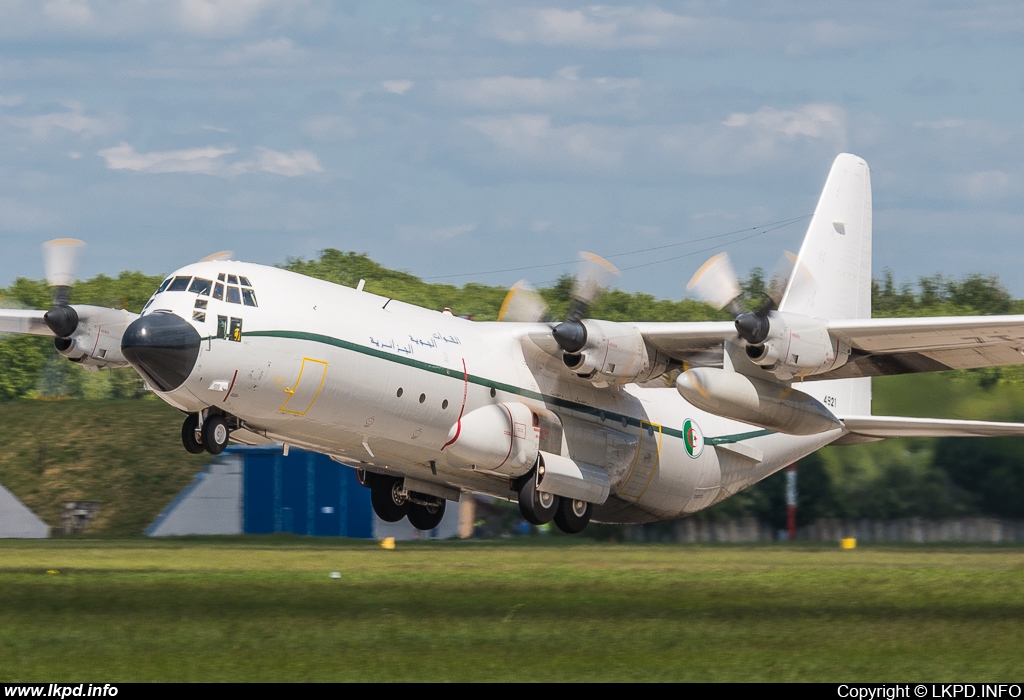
x=303 y=393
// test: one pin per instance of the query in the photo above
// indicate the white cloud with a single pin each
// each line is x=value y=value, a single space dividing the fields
x=531 y=138
x=986 y=185
x=270 y=51
x=72 y=13
x=566 y=91
x=210 y=160
x=397 y=87
x=10 y=100
x=597 y=26
x=40 y=126
x=740 y=143
x=438 y=234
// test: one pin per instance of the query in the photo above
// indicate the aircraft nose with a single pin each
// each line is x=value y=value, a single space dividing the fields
x=163 y=348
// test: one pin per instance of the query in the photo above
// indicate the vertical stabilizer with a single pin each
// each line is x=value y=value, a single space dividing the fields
x=832 y=276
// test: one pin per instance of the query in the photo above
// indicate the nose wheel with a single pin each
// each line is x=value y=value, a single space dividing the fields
x=212 y=437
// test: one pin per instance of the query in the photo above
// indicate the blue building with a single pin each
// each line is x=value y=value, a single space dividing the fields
x=260 y=490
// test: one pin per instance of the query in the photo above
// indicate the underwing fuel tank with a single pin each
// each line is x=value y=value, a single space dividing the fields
x=774 y=406
x=502 y=438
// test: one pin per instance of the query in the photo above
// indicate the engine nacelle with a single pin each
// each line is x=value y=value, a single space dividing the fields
x=615 y=353
x=503 y=438
x=797 y=346
x=775 y=406
x=96 y=342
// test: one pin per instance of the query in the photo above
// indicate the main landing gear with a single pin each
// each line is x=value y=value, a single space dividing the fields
x=391 y=502
x=209 y=435
x=539 y=507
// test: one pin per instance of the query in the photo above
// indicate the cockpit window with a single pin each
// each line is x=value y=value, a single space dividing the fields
x=218 y=290
x=233 y=296
x=164 y=284
x=220 y=277
x=248 y=296
x=232 y=279
x=200 y=286
x=180 y=284
x=244 y=281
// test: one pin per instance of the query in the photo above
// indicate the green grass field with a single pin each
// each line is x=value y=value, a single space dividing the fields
x=267 y=609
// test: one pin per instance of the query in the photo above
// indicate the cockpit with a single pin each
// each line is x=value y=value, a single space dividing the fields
x=233 y=289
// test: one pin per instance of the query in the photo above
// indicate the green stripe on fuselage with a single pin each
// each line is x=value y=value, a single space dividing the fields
x=491 y=384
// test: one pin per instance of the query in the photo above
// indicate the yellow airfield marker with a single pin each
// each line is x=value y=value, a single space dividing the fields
x=388 y=543
x=848 y=543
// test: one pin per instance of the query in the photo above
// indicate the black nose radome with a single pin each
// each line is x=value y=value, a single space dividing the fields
x=163 y=348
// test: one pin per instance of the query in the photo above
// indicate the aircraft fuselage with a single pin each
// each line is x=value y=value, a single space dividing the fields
x=381 y=385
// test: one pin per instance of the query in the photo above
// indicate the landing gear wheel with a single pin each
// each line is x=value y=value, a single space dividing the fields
x=388 y=499
x=536 y=506
x=573 y=516
x=426 y=517
x=215 y=434
x=188 y=434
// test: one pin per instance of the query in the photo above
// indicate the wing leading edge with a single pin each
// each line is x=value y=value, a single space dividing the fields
x=28 y=321
x=880 y=346
x=880 y=427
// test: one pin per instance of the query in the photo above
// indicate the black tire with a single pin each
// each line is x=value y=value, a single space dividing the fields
x=188 y=434
x=215 y=434
x=573 y=516
x=426 y=517
x=385 y=499
x=537 y=507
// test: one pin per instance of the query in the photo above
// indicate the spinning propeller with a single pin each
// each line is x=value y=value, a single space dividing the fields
x=60 y=258
x=717 y=284
x=524 y=304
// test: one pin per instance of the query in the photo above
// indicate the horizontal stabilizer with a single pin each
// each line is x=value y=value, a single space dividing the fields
x=896 y=426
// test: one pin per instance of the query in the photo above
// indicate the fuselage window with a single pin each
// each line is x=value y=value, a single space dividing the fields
x=199 y=316
x=200 y=286
x=164 y=284
x=232 y=279
x=249 y=297
x=218 y=291
x=201 y=303
x=233 y=296
x=180 y=284
x=222 y=327
x=236 y=330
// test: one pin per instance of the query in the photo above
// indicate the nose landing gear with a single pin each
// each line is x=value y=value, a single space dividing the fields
x=207 y=433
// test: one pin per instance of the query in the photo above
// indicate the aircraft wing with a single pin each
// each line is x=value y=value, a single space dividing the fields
x=680 y=339
x=906 y=345
x=23 y=321
x=894 y=426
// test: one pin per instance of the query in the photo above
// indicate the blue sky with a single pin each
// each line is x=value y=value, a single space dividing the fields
x=465 y=138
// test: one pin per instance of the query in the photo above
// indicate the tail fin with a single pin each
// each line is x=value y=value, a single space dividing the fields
x=832 y=276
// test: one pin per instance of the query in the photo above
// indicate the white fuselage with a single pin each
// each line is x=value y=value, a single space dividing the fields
x=379 y=384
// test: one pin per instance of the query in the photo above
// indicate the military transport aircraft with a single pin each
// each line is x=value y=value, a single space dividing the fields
x=575 y=420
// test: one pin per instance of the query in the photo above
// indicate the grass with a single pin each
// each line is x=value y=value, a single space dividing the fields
x=125 y=454
x=255 y=609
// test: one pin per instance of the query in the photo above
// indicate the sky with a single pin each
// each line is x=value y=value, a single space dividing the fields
x=491 y=141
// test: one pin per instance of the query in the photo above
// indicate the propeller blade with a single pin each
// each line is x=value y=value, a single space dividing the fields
x=592 y=276
x=522 y=304
x=776 y=287
x=60 y=259
x=716 y=282
x=219 y=255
